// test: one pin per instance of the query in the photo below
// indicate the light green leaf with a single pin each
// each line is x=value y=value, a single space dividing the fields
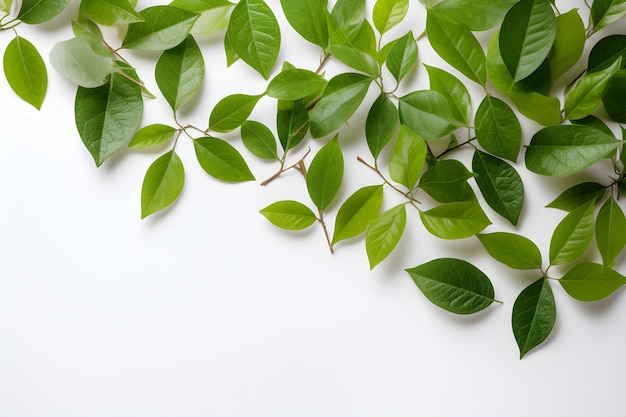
x=308 y=18
x=294 y=84
x=588 y=92
x=388 y=13
x=534 y=314
x=402 y=56
x=355 y=58
x=325 y=174
x=357 y=211
x=572 y=236
x=86 y=27
x=346 y=20
x=221 y=160
x=259 y=140
x=568 y=44
x=383 y=234
x=5 y=5
x=605 y=12
x=454 y=91
x=111 y=12
x=497 y=129
x=381 y=124
x=162 y=184
x=610 y=231
x=427 y=113
x=408 y=157
x=446 y=181
x=588 y=282
x=214 y=14
x=164 y=27
x=578 y=195
x=231 y=111
x=39 y=11
x=151 y=136
x=515 y=251
x=25 y=71
x=456 y=220
x=476 y=15
x=289 y=215
x=83 y=60
x=454 y=285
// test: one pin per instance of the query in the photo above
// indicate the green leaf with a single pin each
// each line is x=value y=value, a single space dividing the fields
x=231 y=111
x=446 y=181
x=402 y=56
x=308 y=18
x=476 y=15
x=214 y=14
x=111 y=12
x=454 y=91
x=292 y=122
x=568 y=44
x=355 y=58
x=83 y=60
x=408 y=157
x=454 y=285
x=613 y=98
x=606 y=52
x=294 y=84
x=593 y=121
x=605 y=12
x=588 y=282
x=259 y=140
x=26 y=71
x=342 y=97
x=534 y=314
x=427 y=113
x=381 y=124
x=108 y=116
x=610 y=231
x=456 y=220
x=526 y=37
x=572 y=236
x=221 y=160
x=588 y=91
x=231 y=55
x=346 y=20
x=255 y=35
x=383 y=234
x=289 y=215
x=86 y=27
x=500 y=184
x=457 y=46
x=162 y=184
x=164 y=27
x=325 y=174
x=515 y=251
x=388 y=13
x=151 y=136
x=497 y=129
x=563 y=150
x=38 y=11
x=357 y=211
x=5 y=5
x=578 y=195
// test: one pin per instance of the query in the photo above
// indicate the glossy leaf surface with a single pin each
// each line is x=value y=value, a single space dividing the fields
x=383 y=234
x=588 y=281
x=38 y=11
x=388 y=13
x=456 y=220
x=610 y=231
x=163 y=28
x=534 y=315
x=26 y=71
x=259 y=140
x=232 y=111
x=498 y=130
x=111 y=12
x=408 y=157
x=381 y=124
x=289 y=215
x=515 y=251
x=427 y=113
x=572 y=236
x=221 y=160
x=454 y=91
x=162 y=184
x=309 y=19
x=325 y=174
x=578 y=195
x=151 y=136
x=357 y=211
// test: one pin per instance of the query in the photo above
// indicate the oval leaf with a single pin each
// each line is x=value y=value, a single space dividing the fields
x=38 y=11
x=152 y=135
x=388 y=13
x=456 y=220
x=162 y=184
x=591 y=282
x=111 y=12
x=610 y=231
x=408 y=157
x=294 y=84
x=534 y=314
x=572 y=236
x=309 y=19
x=325 y=174
x=26 y=71
x=383 y=234
x=381 y=124
x=231 y=111
x=454 y=91
x=289 y=215
x=578 y=195
x=513 y=250
x=357 y=211
x=427 y=113
x=163 y=28
x=259 y=140
x=221 y=160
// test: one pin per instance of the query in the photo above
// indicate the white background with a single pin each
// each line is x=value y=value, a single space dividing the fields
x=206 y=309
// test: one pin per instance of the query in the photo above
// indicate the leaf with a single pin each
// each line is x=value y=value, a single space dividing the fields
x=111 y=12
x=325 y=174
x=500 y=184
x=568 y=44
x=255 y=35
x=497 y=129
x=355 y=58
x=231 y=111
x=402 y=56
x=86 y=27
x=151 y=136
x=108 y=116
x=308 y=18
x=588 y=281
x=5 y=5
x=381 y=124
x=84 y=60
x=346 y=20
x=476 y=15
x=179 y=72
x=515 y=251
x=593 y=121
x=164 y=27
x=563 y=150
x=526 y=37
x=162 y=184
x=606 y=52
x=446 y=181
x=605 y=12
x=454 y=91
x=457 y=46
x=610 y=231
x=221 y=160
x=357 y=211
x=427 y=113
x=25 y=71
x=578 y=195
x=214 y=14
x=572 y=236
x=588 y=91
x=408 y=157
x=383 y=234
x=388 y=13
x=292 y=123
x=454 y=285
x=534 y=314
x=289 y=215
x=259 y=140
x=456 y=220
x=294 y=84
x=613 y=98
x=342 y=97
x=38 y=11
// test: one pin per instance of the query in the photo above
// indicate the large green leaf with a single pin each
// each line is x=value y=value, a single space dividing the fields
x=572 y=236
x=347 y=18
x=446 y=181
x=588 y=92
x=294 y=84
x=221 y=160
x=563 y=150
x=568 y=44
x=259 y=140
x=388 y=13
x=454 y=91
x=230 y=112
x=402 y=56
x=610 y=231
x=605 y=12
x=309 y=19
x=111 y=12
x=534 y=314
x=427 y=113
x=476 y=15
x=26 y=71
x=214 y=14
x=515 y=251
x=39 y=11
x=497 y=129
x=578 y=195
x=588 y=282
x=456 y=220
x=162 y=184
x=289 y=215
x=163 y=28
x=357 y=211
x=383 y=234
x=325 y=174
x=381 y=124
x=454 y=285
x=526 y=37
x=108 y=116
x=408 y=157
x=255 y=35
x=84 y=60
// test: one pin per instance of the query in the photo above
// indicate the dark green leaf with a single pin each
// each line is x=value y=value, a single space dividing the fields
x=289 y=215
x=588 y=282
x=162 y=184
x=231 y=111
x=152 y=135
x=610 y=231
x=427 y=113
x=259 y=140
x=606 y=52
x=497 y=129
x=163 y=28
x=605 y=12
x=455 y=220
x=39 y=11
x=578 y=195
x=325 y=174
x=26 y=71
x=357 y=211
x=515 y=251
x=388 y=13
x=308 y=18
x=402 y=56
x=446 y=181
x=407 y=160
x=383 y=234
x=221 y=160
x=381 y=124
x=572 y=236
x=613 y=98
x=454 y=91
x=534 y=314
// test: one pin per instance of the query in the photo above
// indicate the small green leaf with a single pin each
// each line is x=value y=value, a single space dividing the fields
x=427 y=113
x=259 y=140
x=164 y=27
x=325 y=174
x=572 y=236
x=289 y=215
x=446 y=181
x=388 y=13
x=383 y=234
x=578 y=195
x=456 y=220
x=111 y=12
x=381 y=124
x=588 y=282
x=534 y=314
x=568 y=44
x=610 y=231
x=497 y=129
x=292 y=123
x=221 y=160
x=454 y=285
x=613 y=99
x=402 y=56
x=84 y=60
x=408 y=157
x=357 y=211
x=588 y=92
x=151 y=136
x=476 y=15
x=309 y=19
x=162 y=184
x=231 y=111
x=605 y=12
x=606 y=52
x=38 y=11
x=26 y=71
x=294 y=84
x=515 y=251
x=454 y=91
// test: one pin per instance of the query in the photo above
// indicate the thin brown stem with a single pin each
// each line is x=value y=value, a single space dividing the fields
x=326 y=235
x=407 y=194
x=298 y=166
